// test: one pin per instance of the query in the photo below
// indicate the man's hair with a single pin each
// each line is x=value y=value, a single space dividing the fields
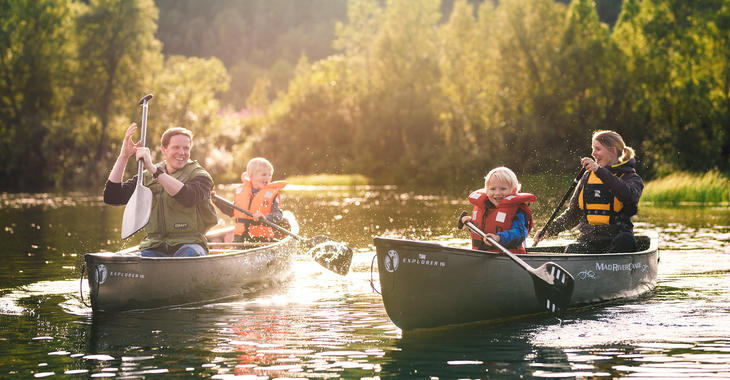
x=167 y=135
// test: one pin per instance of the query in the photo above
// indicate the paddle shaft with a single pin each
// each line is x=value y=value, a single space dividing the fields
x=576 y=180
x=504 y=250
x=143 y=135
x=270 y=224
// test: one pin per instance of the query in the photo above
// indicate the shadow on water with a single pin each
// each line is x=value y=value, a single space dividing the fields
x=502 y=350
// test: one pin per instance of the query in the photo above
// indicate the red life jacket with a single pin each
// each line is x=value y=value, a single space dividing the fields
x=261 y=202
x=497 y=219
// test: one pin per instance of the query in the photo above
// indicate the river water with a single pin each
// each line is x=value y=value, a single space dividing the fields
x=321 y=325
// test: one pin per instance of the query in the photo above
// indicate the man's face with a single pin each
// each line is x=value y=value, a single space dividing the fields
x=177 y=152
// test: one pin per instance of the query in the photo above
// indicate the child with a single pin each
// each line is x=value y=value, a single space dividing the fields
x=258 y=195
x=501 y=212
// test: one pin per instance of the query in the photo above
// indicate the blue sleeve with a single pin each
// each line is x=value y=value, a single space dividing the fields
x=518 y=233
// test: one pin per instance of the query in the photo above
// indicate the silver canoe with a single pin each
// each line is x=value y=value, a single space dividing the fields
x=125 y=281
x=427 y=285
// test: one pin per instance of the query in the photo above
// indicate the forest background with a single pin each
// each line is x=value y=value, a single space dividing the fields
x=423 y=92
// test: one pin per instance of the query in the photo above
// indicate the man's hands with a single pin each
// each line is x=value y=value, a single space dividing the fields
x=129 y=147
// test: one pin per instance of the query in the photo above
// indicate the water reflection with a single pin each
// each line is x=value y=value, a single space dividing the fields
x=320 y=324
x=477 y=351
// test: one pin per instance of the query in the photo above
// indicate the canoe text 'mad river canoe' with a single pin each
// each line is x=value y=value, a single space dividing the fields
x=427 y=285
x=125 y=281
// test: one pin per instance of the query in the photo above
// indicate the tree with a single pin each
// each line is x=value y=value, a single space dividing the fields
x=35 y=57
x=677 y=72
x=119 y=57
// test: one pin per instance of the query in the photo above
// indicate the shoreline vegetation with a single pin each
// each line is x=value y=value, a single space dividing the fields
x=329 y=180
x=711 y=187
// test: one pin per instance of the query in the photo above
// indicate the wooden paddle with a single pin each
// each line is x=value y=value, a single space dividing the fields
x=562 y=201
x=331 y=254
x=553 y=284
x=139 y=206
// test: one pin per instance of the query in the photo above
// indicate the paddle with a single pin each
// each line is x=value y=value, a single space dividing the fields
x=553 y=284
x=139 y=206
x=562 y=201
x=332 y=255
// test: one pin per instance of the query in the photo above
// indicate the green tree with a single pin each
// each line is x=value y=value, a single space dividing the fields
x=678 y=75
x=527 y=34
x=186 y=96
x=119 y=57
x=468 y=89
x=398 y=112
x=36 y=43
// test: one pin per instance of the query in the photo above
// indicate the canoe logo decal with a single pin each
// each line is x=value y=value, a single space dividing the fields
x=424 y=260
x=615 y=267
x=587 y=274
x=391 y=261
x=101 y=274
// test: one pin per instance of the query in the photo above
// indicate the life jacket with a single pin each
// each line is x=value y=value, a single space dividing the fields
x=598 y=203
x=497 y=219
x=261 y=202
x=171 y=222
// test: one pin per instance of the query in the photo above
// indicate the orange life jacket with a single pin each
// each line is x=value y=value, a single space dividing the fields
x=497 y=219
x=261 y=202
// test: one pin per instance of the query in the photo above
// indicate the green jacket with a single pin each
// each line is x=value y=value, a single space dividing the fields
x=172 y=223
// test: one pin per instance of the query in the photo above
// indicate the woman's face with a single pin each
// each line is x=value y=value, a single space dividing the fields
x=604 y=156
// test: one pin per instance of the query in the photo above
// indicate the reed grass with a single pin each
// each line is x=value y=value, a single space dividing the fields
x=329 y=180
x=683 y=187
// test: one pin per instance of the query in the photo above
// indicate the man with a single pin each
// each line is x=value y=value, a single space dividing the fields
x=181 y=207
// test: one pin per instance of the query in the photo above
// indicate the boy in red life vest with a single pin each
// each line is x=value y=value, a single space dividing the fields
x=501 y=212
x=259 y=196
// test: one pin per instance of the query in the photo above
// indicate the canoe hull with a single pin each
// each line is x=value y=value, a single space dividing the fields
x=128 y=281
x=426 y=285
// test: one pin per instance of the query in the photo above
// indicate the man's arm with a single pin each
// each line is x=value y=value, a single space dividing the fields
x=192 y=192
x=118 y=194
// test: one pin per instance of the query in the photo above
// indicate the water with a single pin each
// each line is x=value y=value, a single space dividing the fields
x=321 y=325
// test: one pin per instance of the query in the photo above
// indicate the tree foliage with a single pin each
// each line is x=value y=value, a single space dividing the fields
x=421 y=92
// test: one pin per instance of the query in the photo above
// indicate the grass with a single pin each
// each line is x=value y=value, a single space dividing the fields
x=683 y=187
x=329 y=180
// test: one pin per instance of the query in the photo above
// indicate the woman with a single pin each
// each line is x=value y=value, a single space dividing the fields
x=605 y=200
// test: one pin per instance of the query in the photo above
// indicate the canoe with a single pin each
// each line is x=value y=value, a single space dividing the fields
x=126 y=281
x=427 y=285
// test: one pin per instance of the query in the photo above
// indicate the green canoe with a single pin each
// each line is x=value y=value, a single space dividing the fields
x=427 y=285
x=125 y=281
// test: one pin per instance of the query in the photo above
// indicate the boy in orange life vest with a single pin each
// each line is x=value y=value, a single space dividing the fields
x=261 y=197
x=501 y=212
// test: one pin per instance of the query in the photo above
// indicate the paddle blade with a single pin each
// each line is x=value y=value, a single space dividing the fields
x=137 y=212
x=554 y=287
x=332 y=255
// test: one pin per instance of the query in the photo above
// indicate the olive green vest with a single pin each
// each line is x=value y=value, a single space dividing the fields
x=172 y=223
